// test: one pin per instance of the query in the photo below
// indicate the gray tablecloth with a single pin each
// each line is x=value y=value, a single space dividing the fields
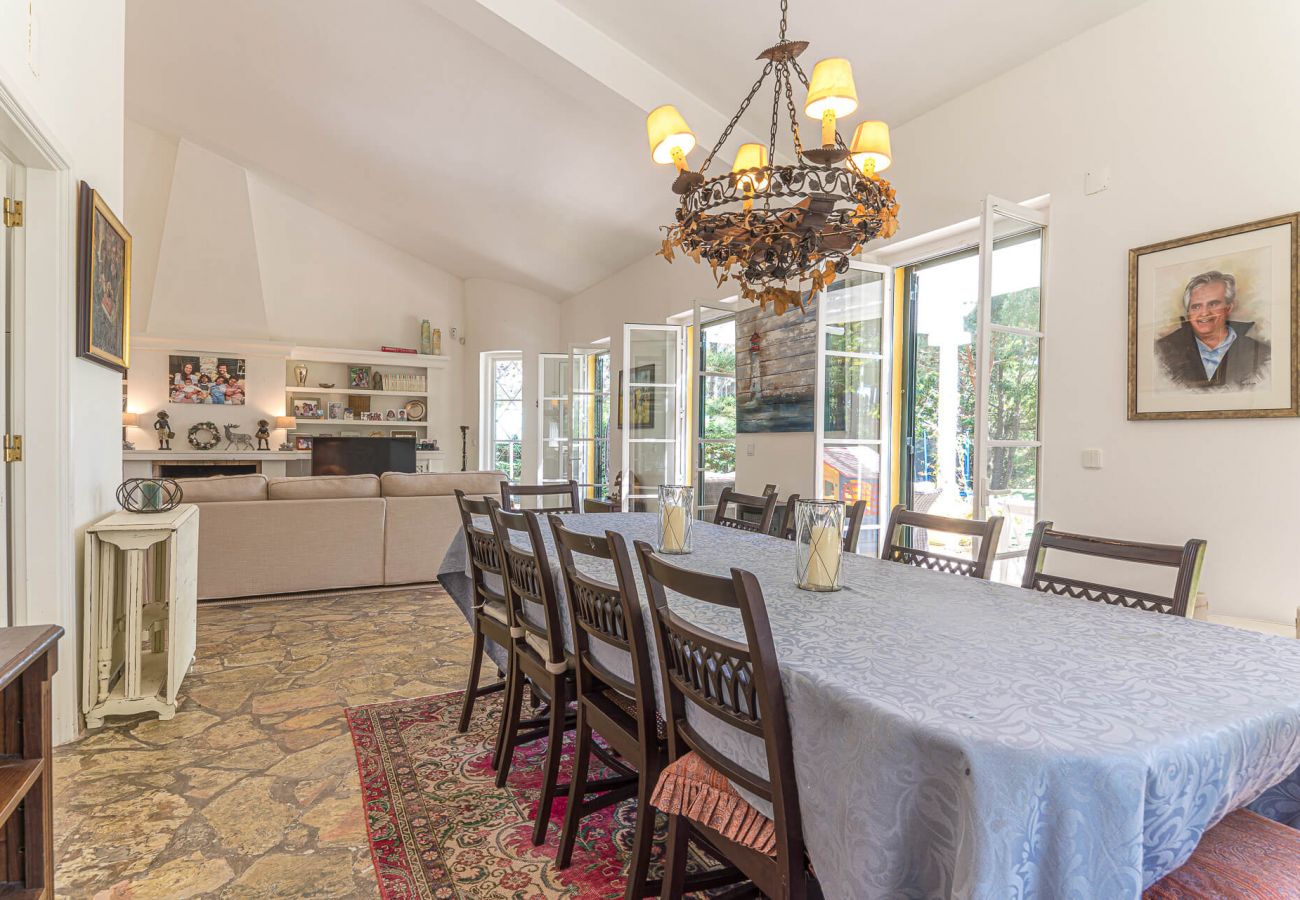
x=956 y=738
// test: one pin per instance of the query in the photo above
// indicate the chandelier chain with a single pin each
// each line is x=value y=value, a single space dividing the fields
x=794 y=117
x=785 y=10
x=736 y=118
x=776 y=123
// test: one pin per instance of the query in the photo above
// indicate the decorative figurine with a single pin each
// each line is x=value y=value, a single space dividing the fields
x=426 y=338
x=286 y=447
x=164 y=431
x=236 y=439
x=464 y=443
x=263 y=434
x=300 y=374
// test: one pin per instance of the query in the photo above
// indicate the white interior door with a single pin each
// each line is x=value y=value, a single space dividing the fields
x=852 y=409
x=1012 y=255
x=712 y=413
x=652 y=413
x=588 y=453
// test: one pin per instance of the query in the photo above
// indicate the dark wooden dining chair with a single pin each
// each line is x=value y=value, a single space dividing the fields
x=752 y=513
x=567 y=492
x=539 y=655
x=490 y=620
x=1244 y=855
x=620 y=710
x=769 y=488
x=897 y=549
x=739 y=685
x=854 y=513
x=1186 y=560
x=590 y=505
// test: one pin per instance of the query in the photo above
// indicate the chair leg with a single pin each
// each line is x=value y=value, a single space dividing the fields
x=577 y=789
x=675 y=858
x=644 y=837
x=510 y=724
x=554 y=750
x=499 y=748
x=475 y=664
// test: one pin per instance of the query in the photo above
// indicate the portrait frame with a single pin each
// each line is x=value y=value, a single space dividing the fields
x=103 y=297
x=1152 y=395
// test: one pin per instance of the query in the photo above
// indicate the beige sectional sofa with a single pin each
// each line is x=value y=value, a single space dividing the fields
x=261 y=535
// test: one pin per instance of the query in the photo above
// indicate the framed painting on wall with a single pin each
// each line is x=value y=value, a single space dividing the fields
x=1212 y=324
x=103 y=283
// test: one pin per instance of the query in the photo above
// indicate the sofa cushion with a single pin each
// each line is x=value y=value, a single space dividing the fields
x=436 y=484
x=322 y=487
x=223 y=488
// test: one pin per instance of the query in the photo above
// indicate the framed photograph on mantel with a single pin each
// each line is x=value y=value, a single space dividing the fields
x=1212 y=324
x=103 y=283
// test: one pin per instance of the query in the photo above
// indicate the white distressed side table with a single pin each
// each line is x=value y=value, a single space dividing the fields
x=140 y=612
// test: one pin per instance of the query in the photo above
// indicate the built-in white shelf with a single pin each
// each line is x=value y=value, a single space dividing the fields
x=360 y=393
x=361 y=423
x=368 y=357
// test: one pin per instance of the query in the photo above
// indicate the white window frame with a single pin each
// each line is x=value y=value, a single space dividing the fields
x=542 y=399
x=705 y=315
x=586 y=488
x=678 y=438
x=487 y=412
x=884 y=443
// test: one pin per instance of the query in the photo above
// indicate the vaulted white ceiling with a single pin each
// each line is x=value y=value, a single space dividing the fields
x=505 y=138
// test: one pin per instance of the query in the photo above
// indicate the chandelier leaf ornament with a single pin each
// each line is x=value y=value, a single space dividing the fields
x=783 y=232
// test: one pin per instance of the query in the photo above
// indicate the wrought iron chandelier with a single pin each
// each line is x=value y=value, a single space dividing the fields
x=782 y=231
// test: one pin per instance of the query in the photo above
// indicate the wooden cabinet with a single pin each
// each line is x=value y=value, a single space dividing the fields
x=28 y=660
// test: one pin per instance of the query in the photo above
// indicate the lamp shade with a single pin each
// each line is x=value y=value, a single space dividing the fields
x=831 y=88
x=130 y=419
x=286 y=422
x=668 y=130
x=751 y=156
x=871 y=142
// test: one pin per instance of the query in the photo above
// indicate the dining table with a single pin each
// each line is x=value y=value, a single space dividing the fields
x=955 y=737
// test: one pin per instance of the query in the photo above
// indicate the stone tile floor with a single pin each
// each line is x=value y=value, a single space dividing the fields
x=251 y=790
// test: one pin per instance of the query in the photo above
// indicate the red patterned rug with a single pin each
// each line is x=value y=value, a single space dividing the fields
x=440 y=828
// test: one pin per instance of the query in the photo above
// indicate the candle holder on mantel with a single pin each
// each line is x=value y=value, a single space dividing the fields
x=818 y=544
x=676 y=501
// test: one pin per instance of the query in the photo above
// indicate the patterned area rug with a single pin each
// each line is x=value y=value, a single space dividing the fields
x=440 y=828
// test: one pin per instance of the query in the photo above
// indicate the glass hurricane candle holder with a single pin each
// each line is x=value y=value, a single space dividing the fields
x=818 y=544
x=675 y=504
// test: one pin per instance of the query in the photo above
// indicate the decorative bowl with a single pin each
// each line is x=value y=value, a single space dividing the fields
x=321 y=384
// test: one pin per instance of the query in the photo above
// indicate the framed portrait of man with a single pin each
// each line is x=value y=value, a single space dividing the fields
x=103 y=283
x=1212 y=322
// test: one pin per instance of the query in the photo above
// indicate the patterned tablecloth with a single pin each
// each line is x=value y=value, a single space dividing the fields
x=956 y=738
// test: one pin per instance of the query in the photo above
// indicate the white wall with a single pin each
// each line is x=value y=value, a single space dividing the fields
x=504 y=316
x=237 y=262
x=73 y=91
x=1192 y=106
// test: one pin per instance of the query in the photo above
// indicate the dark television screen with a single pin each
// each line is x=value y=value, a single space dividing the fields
x=361 y=455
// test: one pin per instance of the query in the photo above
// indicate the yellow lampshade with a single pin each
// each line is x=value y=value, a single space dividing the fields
x=751 y=156
x=668 y=131
x=130 y=419
x=286 y=422
x=831 y=88
x=871 y=143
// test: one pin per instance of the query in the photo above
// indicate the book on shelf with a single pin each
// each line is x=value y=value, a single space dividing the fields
x=397 y=350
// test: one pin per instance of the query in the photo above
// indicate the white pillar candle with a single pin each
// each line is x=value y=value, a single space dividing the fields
x=823 y=556
x=673 y=539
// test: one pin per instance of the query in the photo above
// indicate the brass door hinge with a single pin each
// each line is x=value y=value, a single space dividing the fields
x=13 y=448
x=13 y=213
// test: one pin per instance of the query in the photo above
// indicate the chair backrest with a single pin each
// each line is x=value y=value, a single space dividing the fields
x=763 y=506
x=605 y=613
x=568 y=492
x=528 y=580
x=769 y=488
x=853 y=515
x=895 y=549
x=1185 y=559
x=481 y=544
x=590 y=505
x=736 y=683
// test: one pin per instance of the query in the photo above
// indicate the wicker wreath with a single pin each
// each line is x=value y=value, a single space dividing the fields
x=198 y=429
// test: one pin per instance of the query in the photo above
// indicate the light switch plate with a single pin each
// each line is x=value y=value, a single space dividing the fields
x=1092 y=459
x=749 y=449
x=1096 y=182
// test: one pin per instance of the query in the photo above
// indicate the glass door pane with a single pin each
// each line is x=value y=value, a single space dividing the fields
x=714 y=406
x=652 y=413
x=852 y=371
x=1011 y=340
x=588 y=369
x=553 y=418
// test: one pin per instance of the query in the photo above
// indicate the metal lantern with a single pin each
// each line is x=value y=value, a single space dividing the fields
x=818 y=544
x=676 y=503
x=149 y=495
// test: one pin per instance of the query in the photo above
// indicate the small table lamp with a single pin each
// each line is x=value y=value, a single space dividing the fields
x=129 y=420
x=286 y=422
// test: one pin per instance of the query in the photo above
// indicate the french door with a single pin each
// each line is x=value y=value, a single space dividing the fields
x=652 y=413
x=588 y=379
x=973 y=343
x=854 y=376
x=713 y=413
x=553 y=398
